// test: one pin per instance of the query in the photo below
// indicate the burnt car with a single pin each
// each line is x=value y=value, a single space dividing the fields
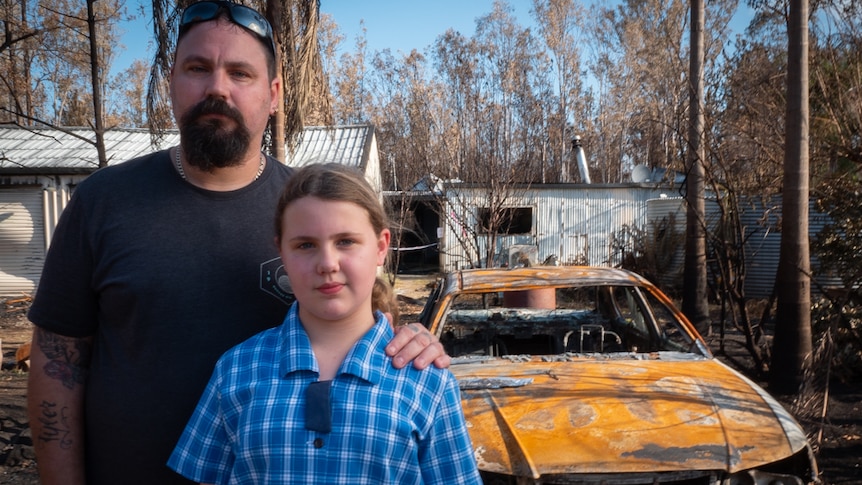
x=590 y=375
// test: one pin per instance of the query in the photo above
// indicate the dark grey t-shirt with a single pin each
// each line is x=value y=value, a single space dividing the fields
x=167 y=277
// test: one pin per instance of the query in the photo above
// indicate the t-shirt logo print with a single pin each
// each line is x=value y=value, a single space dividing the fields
x=274 y=280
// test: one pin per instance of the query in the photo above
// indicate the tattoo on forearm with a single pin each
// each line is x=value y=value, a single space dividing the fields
x=55 y=425
x=67 y=358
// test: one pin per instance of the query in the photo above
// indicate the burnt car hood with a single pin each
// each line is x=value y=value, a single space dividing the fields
x=660 y=412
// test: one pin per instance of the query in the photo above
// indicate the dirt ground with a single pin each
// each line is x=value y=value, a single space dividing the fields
x=17 y=460
x=839 y=446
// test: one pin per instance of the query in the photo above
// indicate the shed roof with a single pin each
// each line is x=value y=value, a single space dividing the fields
x=347 y=145
x=47 y=150
x=33 y=150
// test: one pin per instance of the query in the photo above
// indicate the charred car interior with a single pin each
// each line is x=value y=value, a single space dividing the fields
x=602 y=319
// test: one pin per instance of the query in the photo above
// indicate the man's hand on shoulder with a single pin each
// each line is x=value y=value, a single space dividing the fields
x=413 y=342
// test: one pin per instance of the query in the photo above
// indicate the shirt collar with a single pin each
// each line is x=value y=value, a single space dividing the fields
x=295 y=351
x=365 y=360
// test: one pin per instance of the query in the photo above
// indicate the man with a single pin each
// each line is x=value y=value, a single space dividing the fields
x=162 y=263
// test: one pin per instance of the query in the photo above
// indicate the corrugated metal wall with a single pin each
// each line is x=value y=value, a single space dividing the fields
x=576 y=225
x=579 y=226
x=30 y=207
x=763 y=243
x=667 y=214
x=761 y=225
x=22 y=240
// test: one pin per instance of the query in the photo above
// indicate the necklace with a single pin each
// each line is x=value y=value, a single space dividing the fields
x=179 y=165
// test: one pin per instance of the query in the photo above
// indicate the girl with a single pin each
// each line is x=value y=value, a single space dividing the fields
x=332 y=409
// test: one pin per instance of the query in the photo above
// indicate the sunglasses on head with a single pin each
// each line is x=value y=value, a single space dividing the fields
x=241 y=15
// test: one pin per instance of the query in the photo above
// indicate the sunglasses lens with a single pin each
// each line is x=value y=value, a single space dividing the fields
x=251 y=20
x=199 y=12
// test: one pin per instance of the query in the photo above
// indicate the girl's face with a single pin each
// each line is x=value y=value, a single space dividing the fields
x=331 y=254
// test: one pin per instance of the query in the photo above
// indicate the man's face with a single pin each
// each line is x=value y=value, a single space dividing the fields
x=221 y=94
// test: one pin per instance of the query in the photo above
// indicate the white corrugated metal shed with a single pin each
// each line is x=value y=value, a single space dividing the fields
x=583 y=224
x=40 y=166
x=574 y=223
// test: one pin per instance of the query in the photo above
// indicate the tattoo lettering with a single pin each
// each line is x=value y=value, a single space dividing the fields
x=67 y=357
x=55 y=425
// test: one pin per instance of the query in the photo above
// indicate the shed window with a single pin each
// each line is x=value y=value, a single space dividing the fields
x=509 y=220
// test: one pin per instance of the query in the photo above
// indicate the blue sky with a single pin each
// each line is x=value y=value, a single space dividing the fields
x=399 y=25
x=405 y=25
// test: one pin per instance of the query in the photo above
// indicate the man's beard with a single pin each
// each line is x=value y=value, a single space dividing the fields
x=207 y=143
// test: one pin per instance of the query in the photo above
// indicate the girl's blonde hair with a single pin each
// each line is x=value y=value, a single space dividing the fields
x=333 y=182
x=383 y=298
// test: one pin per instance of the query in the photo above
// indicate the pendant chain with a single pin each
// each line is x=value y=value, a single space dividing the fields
x=179 y=165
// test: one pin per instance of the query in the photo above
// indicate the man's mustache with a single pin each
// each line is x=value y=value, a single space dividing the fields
x=213 y=106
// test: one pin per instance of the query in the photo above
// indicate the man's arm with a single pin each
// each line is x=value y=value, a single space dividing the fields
x=414 y=342
x=55 y=405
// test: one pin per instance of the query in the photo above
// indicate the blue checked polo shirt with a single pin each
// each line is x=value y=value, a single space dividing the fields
x=388 y=425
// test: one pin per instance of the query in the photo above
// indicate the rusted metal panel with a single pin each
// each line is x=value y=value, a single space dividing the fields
x=605 y=416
